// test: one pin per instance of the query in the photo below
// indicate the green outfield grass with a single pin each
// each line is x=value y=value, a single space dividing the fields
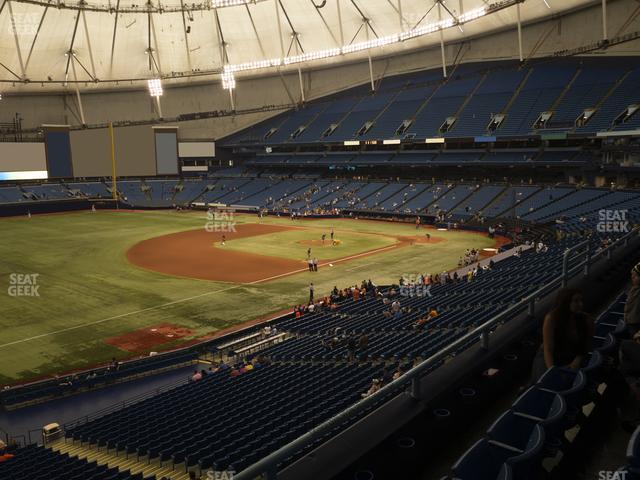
x=88 y=291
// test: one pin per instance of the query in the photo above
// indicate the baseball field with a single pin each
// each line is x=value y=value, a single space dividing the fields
x=81 y=288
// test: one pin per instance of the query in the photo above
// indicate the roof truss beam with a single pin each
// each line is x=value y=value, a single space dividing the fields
x=35 y=38
x=113 y=36
x=15 y=37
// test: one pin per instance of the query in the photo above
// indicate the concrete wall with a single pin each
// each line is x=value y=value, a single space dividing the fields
x=570 y=31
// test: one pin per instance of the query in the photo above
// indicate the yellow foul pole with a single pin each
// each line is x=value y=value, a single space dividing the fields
x=114 y=186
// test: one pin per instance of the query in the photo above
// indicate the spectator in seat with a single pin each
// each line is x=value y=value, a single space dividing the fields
x=387 y=376
x=629 y=394
x=356 y=293
x=398 y=373
x=375 y=386
x=632 y=307
x=114 y=365
x=566 y=334
x=351 y=348
x=196 y=376
x=4 y=454
x=363 y=342
x=420 y=323
x=628 y=390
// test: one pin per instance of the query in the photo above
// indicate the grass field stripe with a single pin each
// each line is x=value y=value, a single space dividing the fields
x=122 y=315
x=358 y=267
x=371 y=252
x=115 y=317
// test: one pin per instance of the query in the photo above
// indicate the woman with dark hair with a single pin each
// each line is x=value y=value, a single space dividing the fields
x=566 y=334
x=632 y=306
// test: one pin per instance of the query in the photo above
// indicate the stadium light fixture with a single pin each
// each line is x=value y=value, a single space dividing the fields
x=155 y=87
x=305 y=57
x=472 y=14
x=228 y=80
x=376 y=42
x=229 y=3
x=239 y=67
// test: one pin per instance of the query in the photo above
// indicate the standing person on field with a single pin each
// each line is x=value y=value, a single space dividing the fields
x=311 y=292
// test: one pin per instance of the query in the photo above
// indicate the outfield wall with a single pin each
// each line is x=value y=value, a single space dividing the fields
x=20 y=161
x=91 y=153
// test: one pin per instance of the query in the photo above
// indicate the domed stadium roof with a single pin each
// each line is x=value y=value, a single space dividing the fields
x=119 y=43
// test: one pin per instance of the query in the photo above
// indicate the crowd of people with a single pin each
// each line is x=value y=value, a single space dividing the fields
x=470 y=257
x=233 y=370
x=388 y=375
x=329 y=302
x=444 y=277
x=354 y=344
x=423 y=320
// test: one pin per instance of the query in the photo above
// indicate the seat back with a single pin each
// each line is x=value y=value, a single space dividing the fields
x=482 y=461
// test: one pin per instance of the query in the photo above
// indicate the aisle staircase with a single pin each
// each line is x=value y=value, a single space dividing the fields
x=118 y=460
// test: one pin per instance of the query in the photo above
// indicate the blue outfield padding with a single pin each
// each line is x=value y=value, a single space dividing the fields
x=58 y=148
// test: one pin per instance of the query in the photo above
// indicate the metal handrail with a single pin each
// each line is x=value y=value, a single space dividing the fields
x=565 y=260
x=124 y=403
x=407 y=382
x=191 y=348
x=8 y=439
x=268 y=465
